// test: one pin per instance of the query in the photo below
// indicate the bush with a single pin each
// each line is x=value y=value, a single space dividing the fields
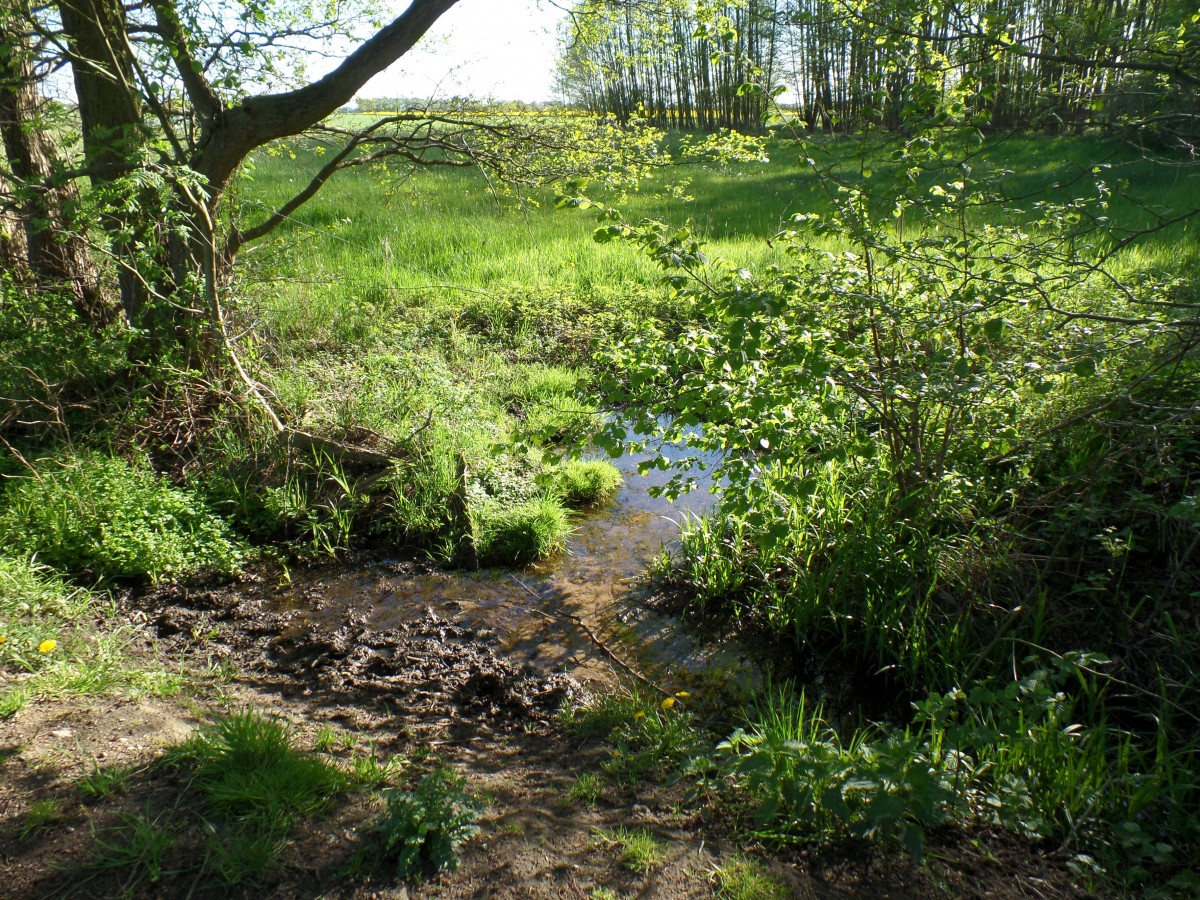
x=107 y=518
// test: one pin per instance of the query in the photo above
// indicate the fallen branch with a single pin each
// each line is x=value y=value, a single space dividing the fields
x=591 y=636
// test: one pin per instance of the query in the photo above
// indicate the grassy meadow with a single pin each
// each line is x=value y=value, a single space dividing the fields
x=995 y=533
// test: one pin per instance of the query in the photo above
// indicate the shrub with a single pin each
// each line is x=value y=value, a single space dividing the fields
x=104 y=516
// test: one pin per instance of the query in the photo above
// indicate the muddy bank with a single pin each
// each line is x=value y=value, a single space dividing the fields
x=428 y=664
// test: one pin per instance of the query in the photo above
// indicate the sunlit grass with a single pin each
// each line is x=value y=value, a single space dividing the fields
x=51 y=645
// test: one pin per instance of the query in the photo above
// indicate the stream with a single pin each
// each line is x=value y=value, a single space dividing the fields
x=535 y=613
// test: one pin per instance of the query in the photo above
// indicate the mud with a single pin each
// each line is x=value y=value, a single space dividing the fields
x=427 y=664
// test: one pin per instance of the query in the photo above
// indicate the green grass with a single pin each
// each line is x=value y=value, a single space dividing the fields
x=650 y=737
x=520 y=534
x=65 y=641
x=583 y=483
x=42 y=815
x=586 y=789
x=103 y=782
x=232 y=801
x=741 y=878
x=440 y=236
x=248 y=771
x=108 y=518
x=640 y=851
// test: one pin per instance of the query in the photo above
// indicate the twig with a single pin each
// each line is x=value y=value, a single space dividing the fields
x=591 y=636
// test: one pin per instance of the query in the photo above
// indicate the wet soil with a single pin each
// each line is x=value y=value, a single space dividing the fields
x=470 y=669
x=429 y=684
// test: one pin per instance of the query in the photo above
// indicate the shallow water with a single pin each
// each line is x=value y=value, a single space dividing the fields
x=537 y=613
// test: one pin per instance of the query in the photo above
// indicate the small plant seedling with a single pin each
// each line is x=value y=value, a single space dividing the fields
x=587 y=789
x=640 y=850
x=103 y=782
x=333 y=740
x=42 y=815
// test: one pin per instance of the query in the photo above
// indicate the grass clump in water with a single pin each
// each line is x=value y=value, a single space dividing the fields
x=520 y=534
x=583 y=483
x=113 y=519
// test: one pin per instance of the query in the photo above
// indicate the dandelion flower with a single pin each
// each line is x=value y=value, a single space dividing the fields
x=682 y=694
x=47 y=646
x=639 y=715
x=668 y=703
x=3 y=639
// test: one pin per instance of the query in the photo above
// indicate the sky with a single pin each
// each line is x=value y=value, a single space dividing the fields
x=493 y=49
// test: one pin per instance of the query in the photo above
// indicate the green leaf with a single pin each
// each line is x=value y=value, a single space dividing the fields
x=994 y=328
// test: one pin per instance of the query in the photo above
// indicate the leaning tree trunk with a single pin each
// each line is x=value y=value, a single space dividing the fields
x=44 y=241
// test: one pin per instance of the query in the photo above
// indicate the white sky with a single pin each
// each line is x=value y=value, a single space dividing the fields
x=494 y=49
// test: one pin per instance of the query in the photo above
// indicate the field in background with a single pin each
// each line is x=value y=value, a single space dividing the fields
x=373 y=241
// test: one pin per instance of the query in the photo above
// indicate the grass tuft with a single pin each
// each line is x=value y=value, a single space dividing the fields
x=521 y=534
x=740 y=878
x=583 y=483
x=640 y=850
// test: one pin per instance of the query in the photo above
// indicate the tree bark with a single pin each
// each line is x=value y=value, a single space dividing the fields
x=155 y=264
x=43 y=237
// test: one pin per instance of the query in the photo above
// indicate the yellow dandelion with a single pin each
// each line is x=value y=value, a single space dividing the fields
x=3 y=639
x=47 y=646
x=682 y=694
x=668 y=703
x=639 y=715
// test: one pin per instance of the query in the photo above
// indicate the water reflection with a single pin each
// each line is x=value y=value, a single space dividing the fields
x=531 y=611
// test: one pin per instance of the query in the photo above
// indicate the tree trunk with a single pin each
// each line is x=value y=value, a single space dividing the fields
x=43 y=237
